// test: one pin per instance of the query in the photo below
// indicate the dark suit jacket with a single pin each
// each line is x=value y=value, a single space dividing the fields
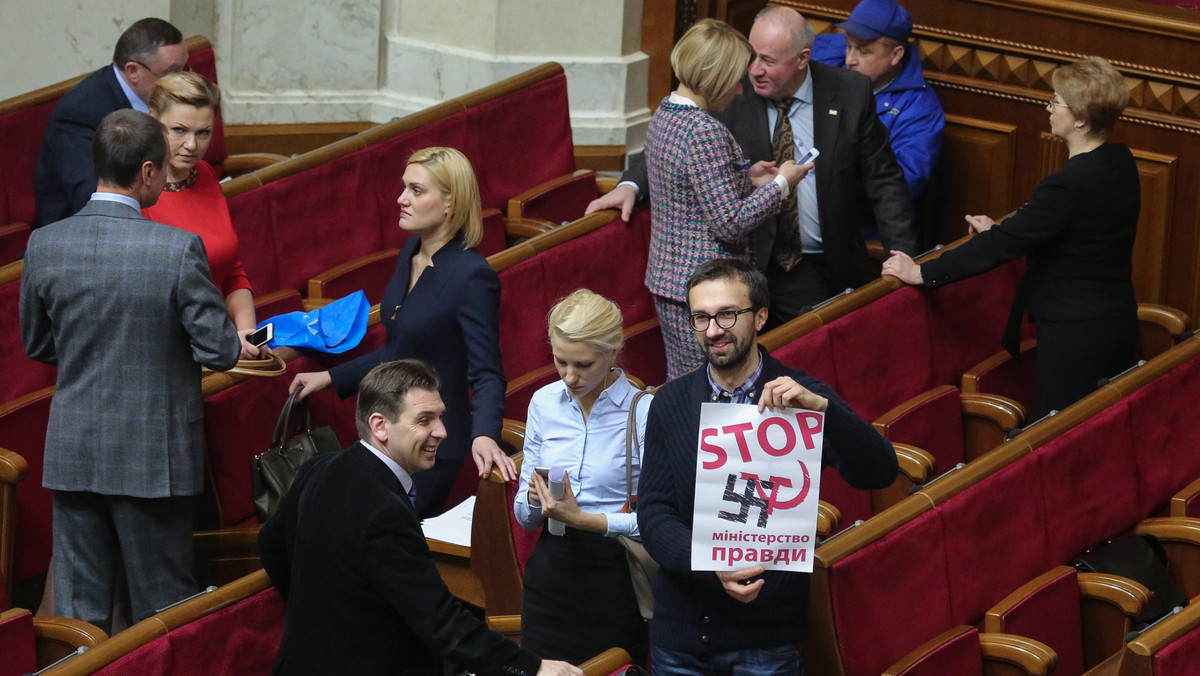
x=450 y=320
x=127 y=309
x=856 y=170
x=64 y=178
x=363 y=595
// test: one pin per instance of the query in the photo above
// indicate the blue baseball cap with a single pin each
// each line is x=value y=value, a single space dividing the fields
x=873 y=19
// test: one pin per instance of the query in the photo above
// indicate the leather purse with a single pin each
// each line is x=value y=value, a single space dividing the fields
x=274 y=470
x=642 y=567
x=1140 y=558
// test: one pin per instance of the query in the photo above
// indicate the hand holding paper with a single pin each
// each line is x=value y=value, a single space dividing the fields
x=783 y=392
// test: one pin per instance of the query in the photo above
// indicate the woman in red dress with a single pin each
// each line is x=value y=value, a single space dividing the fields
x=186 y=104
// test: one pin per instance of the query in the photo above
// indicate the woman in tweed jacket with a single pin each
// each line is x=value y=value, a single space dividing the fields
x=705 y=197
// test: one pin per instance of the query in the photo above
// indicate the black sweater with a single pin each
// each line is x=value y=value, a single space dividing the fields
x=692 y=612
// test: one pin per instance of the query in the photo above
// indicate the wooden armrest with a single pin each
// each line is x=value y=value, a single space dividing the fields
x=606 y=662
x=512 y=438
x=987 y=419
x=916 y=464
x=829 y=519
x=317 y=282
x=238 y=164
x=12 y=271
x=1179 y=501
x=524 y=228
x=1128 y=595
x=1180 y=539
x=605 y=184
x=13 y=467
x=1033 y=657
x=875 y=250
x=916 y=468
x=505 y=624
x=58 y=637
x=516 y=204
x=1166 y=632
x=1172 y=321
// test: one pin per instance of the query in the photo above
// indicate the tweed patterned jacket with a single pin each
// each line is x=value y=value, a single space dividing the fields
x=702 y=203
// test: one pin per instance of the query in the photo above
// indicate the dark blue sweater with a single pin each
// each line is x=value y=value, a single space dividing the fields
x=692 y=612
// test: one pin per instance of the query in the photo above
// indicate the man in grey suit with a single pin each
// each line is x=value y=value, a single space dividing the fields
x=820 y=251
x=127 y=309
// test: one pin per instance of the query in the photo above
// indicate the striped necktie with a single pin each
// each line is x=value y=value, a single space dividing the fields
x=786 y=252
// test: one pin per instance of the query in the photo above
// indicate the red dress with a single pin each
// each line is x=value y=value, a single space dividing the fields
x=201 y=209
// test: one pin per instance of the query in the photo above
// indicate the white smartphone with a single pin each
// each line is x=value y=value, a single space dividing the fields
x=809 y=156
x=262 y=336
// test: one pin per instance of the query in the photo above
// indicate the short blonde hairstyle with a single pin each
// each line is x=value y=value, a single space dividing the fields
x=1094 y=91
x=185 y=88
x=451 y=173
x=711 y=58
x=589 y=318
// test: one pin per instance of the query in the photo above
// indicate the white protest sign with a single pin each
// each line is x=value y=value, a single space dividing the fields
x=757 y=485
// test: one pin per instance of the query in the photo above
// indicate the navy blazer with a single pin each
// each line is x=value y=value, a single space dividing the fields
x=856 y=171
x=363 y=594
x=64 y=179
x=450 y=320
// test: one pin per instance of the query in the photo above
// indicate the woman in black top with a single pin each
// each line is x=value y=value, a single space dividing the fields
x=1077 y=231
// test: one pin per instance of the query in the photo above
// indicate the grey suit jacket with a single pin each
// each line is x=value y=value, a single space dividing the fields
x=855 y=172
x=127 y=309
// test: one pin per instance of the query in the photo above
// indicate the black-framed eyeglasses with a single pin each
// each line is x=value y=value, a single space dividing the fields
x=187 y=68
x=725 y=318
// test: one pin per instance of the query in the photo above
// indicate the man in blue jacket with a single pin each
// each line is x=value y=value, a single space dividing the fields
x=876 y=44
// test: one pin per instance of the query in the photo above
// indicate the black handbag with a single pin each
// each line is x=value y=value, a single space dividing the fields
x=274 y=470
x=1140 y=558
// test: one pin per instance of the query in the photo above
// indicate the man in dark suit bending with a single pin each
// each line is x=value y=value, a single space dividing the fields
x=63 y=178
x=347 y=552
x=814 y=249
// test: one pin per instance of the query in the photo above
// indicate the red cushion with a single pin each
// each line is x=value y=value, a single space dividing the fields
x=1162 y=419
x=564 y=202
x=1015 y=377
x=371 y=277
x=17 y=645
x=317 y=221
x=281 y=303
x=1180 y=657
x=23 y=430
x=644 y=355
x=250 y=213
x=1090 y=490
x=812 y=353
x=965 y=330
x=523 y=540
x=494 y=238
x=854 y=504
x=995 y=538
x=248 y=633
x=618 y=274
x=880 y=615
x=882 y=352
x=521 y=139
x=1051 y=615
x=22 y=375
x=21 y=133
x=934 y=425
x=13 y=239
x=523 y=306
x=516 y=400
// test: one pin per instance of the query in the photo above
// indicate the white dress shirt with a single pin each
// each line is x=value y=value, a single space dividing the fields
x=592 y=452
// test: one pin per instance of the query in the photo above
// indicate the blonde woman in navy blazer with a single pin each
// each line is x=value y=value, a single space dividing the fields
x=442 y=306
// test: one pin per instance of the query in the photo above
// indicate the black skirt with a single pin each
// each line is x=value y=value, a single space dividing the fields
x=578 y=600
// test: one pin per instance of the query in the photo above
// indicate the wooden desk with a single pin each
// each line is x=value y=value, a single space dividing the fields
x=454 y=563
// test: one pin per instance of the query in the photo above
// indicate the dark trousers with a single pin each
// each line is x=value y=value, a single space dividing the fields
x=1073 y=356
x=93 y=533
x=796 y=291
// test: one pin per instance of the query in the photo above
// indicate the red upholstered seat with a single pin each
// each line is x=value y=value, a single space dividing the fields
x=955 y=651
x=17 y=644
x=967 y=318
x=494 y=238
x=1048 y=611
x=561 y=199
x=1163 y=422
x=644 y=355
x=23 y=424
x=523 y=342
x=369 y=274
x=277 y=303
x=22 y=375
x=521 y=389
x=931 y=421
x=12 y=241
x=1002 y=374
x=1179 y=657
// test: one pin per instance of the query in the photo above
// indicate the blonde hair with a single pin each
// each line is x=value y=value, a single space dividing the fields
x=186 y=88
x=451 y=173
x=1094 y=91
x=711 y=58
x=589 y=318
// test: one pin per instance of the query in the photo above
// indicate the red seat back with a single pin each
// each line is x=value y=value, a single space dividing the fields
x=22 y=375
x=932 y=422
x=956 y=651
x=17 y=642
x=23 y=425
x=1050 y=613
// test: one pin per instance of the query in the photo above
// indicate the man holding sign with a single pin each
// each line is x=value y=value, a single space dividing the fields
x=748 y=620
